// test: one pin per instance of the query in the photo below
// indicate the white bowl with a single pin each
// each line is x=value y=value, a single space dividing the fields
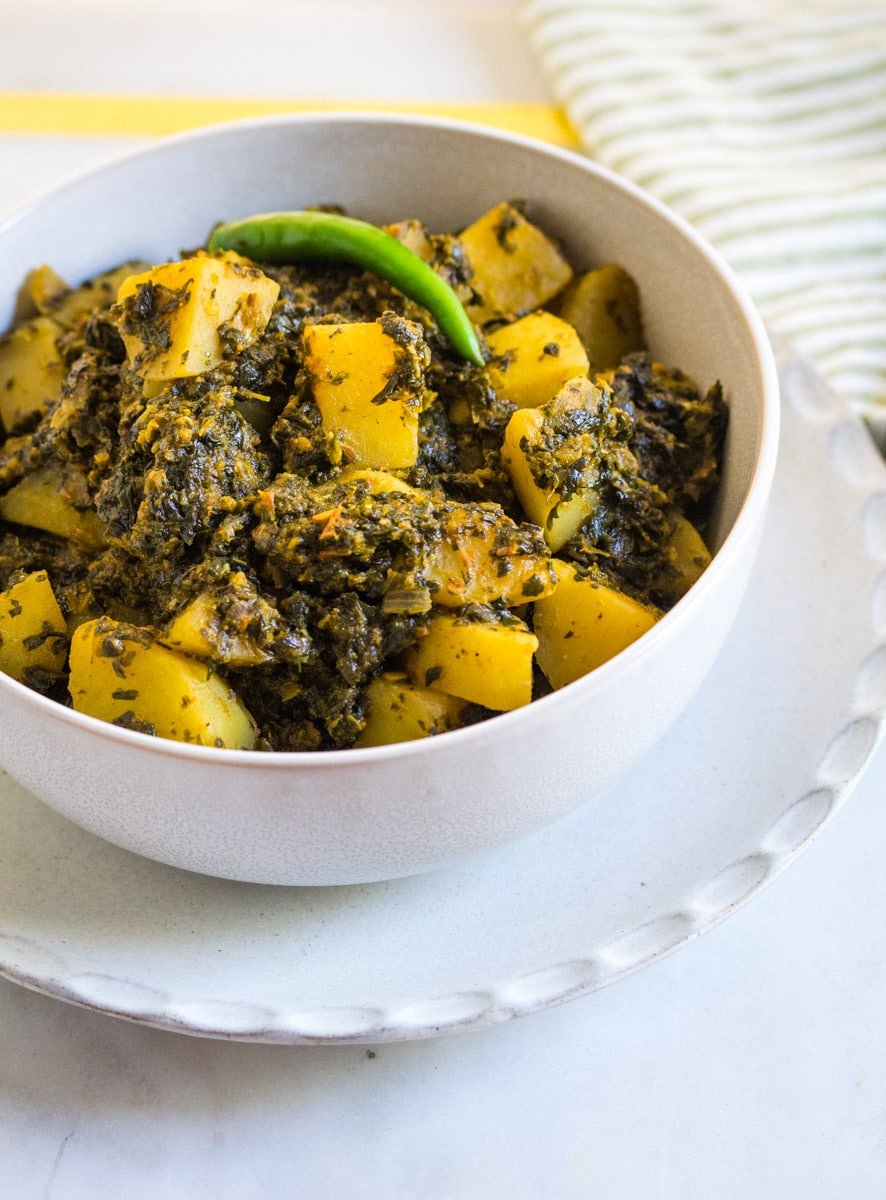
x=353 y=816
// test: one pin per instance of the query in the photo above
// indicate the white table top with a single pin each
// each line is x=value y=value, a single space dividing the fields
x=750 y=1063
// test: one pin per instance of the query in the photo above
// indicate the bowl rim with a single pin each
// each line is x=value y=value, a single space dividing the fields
x=744 y=528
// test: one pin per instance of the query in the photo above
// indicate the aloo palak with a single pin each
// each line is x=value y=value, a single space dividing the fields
x=321 y=485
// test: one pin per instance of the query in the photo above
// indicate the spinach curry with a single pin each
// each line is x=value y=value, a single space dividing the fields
x=268 y=505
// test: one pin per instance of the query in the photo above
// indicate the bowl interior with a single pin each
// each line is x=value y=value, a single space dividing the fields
x=156 y=203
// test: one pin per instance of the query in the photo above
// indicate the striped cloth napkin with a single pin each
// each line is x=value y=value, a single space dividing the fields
x=764 y=123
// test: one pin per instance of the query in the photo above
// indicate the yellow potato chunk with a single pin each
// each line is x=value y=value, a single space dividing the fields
x=70 y=304
x=43 y=289
x=533 y=358
x=398 y=711
x=467 y=567
x=413 y=235
x=171 y=315
x=559 y=519
x=43 y=500
x=516 y=268
x=584 y=623
x=483 y=662
x=120 y=673
x=351 y=367
x=688 y=558
x=31 y=372
x=460 y=411
x=33 y=634
x=220 y=625
x=604 y=307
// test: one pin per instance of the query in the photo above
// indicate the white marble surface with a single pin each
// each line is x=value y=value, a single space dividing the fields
x=751 y=1063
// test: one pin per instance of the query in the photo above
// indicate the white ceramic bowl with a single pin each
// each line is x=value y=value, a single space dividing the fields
x=358 y=815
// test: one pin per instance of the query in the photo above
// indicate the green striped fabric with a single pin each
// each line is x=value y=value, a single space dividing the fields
x=764 y=123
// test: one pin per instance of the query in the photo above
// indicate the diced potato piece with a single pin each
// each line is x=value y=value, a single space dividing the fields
x=171 y=327
x=221 y=625
x=101 y=291
x=45 y=288
x=119 y=673
x=351 y=365
x=516 y=268
x=533 y=358
x=467 y=570
x=44 y=500
x=583 y=624
x=414 y=236
x=483 y=662
x=560 y=519
x=33 y=635
x=460 y=411
x=31 y=372
x=604 y=307
x=398 y=711
x=688 y=558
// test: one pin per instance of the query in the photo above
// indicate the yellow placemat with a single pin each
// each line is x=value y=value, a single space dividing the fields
x=76 y=114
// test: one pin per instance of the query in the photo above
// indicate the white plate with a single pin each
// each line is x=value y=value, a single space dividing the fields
x=760 y=760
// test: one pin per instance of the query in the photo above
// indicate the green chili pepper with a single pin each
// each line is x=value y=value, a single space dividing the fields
x=293 y=236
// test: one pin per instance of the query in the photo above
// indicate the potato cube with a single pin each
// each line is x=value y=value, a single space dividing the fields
x=467 y=567
x=533 y=358
x=353 y=367
x=171 y=315
x=559 y=519
x=604 y=307
x=31 y=372
x=44 y=500
x=70 y=304
x=43 y=290
x=516 y=268
x=582 y=624
x=398 y=711
x=688 y=558
x=483 y=662
x=231 y=624
x=120 y=673
x=413 y=235
x=33 y=634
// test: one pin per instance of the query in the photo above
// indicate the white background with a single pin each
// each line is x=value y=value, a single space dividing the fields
x=749 y=1064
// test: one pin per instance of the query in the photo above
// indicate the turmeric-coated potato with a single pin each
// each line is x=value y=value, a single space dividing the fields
x=473 y=563
x=230 y=624
x=688 y=558
x=42 y=291
x=582 y=624
x=413 y=235
x=604 y=307
x=171 y=317
x=532 y=358
x=31 y=372
x=399 y=711
x=484 y=662
x=120 y=673
x=559 y=519
x=45 y=500
x=516 y=268
x=33 y=635
x=353 y=368
x=69 y=305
